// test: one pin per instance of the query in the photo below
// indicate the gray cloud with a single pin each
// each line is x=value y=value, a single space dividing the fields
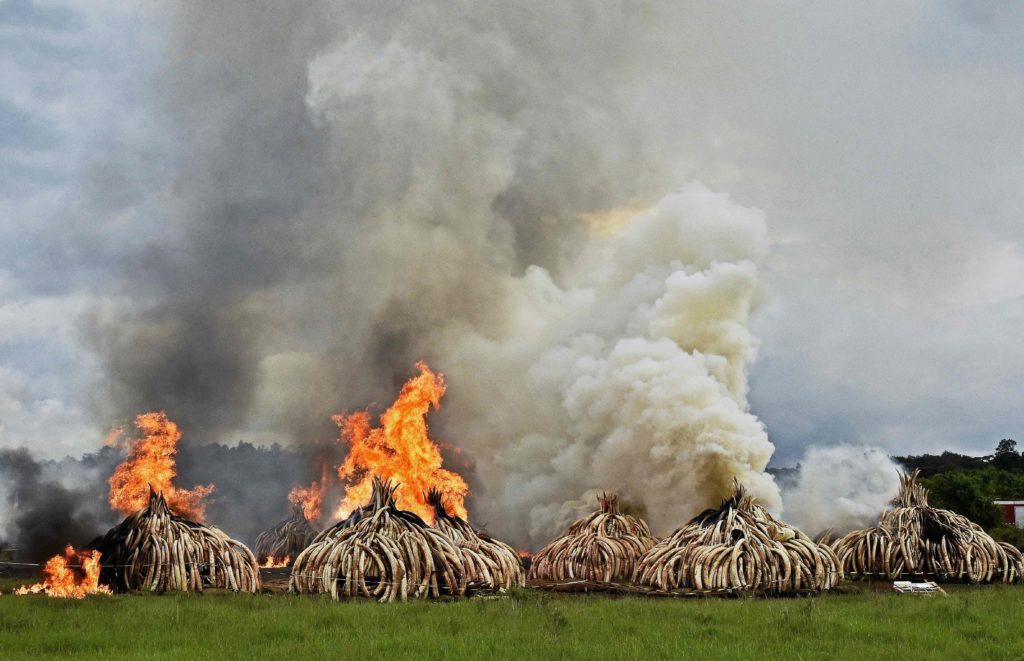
x=20 y=130
x=25 y=13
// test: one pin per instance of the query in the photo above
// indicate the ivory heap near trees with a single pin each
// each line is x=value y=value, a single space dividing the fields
x=154 y=549
x=739 y=546
x=488 y=562
x=604 y=546
x=915 y=539
x=382 y=552
x=287 y=539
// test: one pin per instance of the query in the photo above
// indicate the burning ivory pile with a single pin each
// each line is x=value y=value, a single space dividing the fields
x=604 y=546
x=490 y=563
x=913 y=538
x=154 y=549
x=285 y=540
x=739 y=546
x=383 y=552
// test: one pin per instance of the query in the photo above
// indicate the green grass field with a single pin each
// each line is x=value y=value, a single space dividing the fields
x=972 y=622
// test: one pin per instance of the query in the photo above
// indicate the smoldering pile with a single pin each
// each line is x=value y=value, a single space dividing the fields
x=739 y=546
x=489 y=563
x=604 y=546
x=382 y=552
x=278 y=545
x=913 y=538
x=154 y=549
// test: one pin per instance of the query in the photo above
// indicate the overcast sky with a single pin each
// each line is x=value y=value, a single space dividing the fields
x=884 y=142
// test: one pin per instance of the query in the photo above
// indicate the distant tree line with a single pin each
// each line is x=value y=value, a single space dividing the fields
x=970 y=485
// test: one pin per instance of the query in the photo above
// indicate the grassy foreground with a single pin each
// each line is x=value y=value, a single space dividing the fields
x=971 y=622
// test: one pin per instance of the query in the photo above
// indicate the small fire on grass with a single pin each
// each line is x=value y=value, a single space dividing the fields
x=64 y=582
x=276 y=563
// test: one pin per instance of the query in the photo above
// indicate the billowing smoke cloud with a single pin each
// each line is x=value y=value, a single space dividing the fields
x=842 y=487
x=356 y=182
x=360 y=186
x=631 y=379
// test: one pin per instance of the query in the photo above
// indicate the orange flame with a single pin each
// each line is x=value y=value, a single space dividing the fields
x=400 y=449
x=61 y=581
x=150 y=462
x=273 y=563
x=310 y=498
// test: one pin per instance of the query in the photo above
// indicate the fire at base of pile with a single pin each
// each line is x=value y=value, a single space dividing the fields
x=382 y=552
x=285 y=540
x=488 y=563
x=157 y=550
x=737 y=547
x=62 y=581
x=604 y=546
x=915 y=539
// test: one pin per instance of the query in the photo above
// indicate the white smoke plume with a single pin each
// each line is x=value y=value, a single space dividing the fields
x=632 y=378
x=843 y=487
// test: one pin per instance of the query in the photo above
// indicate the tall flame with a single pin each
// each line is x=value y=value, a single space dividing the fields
x=400 y=449
x=310 y=498
x=150 y=462
x=62 y=581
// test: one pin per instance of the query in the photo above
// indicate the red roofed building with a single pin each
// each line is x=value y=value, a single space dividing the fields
x=1013 y=512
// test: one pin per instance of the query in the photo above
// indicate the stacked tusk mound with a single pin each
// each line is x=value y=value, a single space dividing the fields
x=154 y=549
x=913 y=538
x=380 y=551
x=604 y=546
x=738 y=546
x=287 y=539
x=489 y=563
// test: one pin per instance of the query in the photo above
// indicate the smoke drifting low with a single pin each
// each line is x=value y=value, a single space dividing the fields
x=45 y=505
x=842 y=487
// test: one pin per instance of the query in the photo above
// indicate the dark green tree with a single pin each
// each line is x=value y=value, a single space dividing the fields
x=964 y=493
x=1006 y=456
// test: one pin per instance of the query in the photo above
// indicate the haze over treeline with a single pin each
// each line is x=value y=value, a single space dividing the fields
x=53 y=502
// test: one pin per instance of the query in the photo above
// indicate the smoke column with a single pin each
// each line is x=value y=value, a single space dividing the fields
x=632 y=379
x=359 y=186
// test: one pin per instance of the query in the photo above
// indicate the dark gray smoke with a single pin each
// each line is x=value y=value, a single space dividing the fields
x=187 y=337
x=40 y=513
x=48 y=504
x=354 y=183
x=252 y=484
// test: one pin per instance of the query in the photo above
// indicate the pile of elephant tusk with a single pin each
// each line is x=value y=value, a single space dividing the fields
x=154 y=549
x=488 y=563
x=604 y=546
x=382 y=552
x=736 y=547
x=287 y=539
x=915 y=539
